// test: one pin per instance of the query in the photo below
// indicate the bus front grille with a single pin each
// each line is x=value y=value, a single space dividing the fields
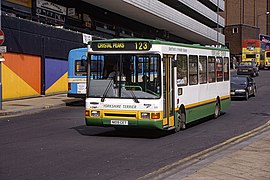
x=120 y=115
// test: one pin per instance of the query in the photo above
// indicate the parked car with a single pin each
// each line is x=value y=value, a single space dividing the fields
x=248 y=68
x=243 y=87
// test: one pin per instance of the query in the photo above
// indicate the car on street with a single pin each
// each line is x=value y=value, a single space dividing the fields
x=243 y=87
x=248 y=68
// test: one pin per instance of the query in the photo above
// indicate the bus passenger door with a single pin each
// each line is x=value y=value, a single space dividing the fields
x=168 y=90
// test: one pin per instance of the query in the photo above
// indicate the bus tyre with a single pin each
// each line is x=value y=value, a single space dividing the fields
x=217 y=110
x=181 y=121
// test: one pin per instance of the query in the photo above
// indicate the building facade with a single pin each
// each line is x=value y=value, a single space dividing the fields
x=40 y=33
x=245 y=19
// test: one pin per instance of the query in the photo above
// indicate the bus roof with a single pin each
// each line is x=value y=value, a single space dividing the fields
x=160 y=42
x=78 y=49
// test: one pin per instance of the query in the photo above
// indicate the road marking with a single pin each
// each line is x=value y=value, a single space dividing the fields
x=188 y=161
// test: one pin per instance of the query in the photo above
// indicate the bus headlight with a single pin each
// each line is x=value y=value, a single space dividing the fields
x=95 y=113
x=145 y=115
x=155 y=115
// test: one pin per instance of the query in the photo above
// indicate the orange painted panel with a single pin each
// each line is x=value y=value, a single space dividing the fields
x=27 y=67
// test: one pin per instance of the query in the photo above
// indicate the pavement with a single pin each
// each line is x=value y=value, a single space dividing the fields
x=243 y=157
x=34 y=104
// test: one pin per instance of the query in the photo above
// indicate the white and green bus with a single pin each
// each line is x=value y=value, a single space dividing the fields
x=156 y=84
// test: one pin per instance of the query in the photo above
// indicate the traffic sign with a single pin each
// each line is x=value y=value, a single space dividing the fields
x=2 y=37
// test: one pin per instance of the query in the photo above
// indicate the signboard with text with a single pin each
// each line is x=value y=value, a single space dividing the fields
x=50 y=10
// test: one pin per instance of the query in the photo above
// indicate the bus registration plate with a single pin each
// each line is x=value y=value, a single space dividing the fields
x=119 y=122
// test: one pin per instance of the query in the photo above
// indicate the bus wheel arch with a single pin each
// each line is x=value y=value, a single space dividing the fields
x=217 y=110
x=181 y=119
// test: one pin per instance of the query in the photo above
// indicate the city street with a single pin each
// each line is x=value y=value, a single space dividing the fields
x=56 y=144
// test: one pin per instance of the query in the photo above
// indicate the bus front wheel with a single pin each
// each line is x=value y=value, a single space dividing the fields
x=181 y=121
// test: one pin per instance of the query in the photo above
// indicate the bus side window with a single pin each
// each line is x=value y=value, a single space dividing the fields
x=193 y=70
x=211 y=69
x=182 y=70
x=203 y=69
x=226 y=69
x=219 y=66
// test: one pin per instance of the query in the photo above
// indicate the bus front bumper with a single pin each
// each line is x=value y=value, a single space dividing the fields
x=142 y=123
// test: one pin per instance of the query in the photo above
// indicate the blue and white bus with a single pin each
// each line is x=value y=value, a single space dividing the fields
x=77 y=72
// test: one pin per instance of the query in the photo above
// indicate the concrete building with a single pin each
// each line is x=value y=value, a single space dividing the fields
x=40 y=33
x=245 y=19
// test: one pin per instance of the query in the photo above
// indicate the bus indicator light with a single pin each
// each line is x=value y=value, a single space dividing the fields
x=87 y=113
x=155 y=115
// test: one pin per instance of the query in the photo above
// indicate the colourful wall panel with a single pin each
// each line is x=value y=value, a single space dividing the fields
x=55 y=76
x=21 y=76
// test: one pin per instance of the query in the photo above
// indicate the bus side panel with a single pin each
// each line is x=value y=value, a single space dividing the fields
x=197 y=112
x=225 y=104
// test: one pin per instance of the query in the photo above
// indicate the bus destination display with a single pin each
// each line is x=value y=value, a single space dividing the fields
x=121 y=46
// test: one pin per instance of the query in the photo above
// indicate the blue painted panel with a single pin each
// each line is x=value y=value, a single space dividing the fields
x=54 y=69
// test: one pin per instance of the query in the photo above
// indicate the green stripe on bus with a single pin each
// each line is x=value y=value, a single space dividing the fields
x=197 y=112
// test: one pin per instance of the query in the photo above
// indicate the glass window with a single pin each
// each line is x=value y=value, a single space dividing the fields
x=80 y=67
x=96 y=67
x=219 y=66
x=182 y=69
x=193 y=70
x=211 y=69
x=203 y=69
x=226 y=69
x=131 y=76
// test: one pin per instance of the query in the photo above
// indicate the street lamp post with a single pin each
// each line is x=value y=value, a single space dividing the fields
x=257 y=21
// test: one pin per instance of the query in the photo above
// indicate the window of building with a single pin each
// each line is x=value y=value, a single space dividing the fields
x=80 y=68
x=182 y=70
x=235 y=30
x=193 y=70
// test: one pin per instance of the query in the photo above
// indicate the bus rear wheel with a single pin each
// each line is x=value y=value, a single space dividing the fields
x=217 y=110
x=181 y=121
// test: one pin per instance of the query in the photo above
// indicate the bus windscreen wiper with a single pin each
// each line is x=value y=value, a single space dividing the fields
x=107 y=90
x=135 y=99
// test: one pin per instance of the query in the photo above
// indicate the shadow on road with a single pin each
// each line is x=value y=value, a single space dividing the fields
x=121 y=132
x=132 y=132
x=76 y=102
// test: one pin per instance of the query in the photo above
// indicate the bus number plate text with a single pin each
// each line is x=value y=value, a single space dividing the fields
x=119 y=122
